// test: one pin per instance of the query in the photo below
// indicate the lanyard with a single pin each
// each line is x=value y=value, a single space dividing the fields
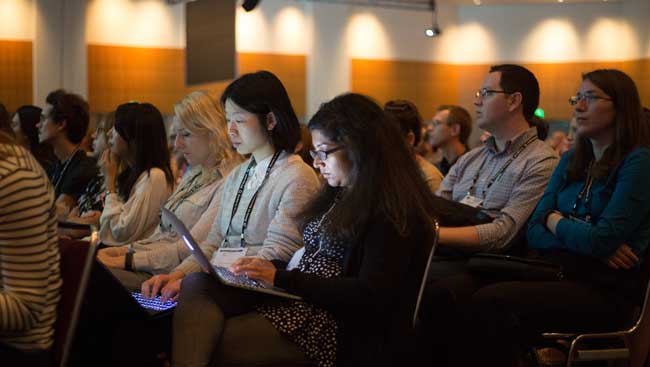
x=586 y=194
x=65 y=168
x=240 y=192
x=503 y=168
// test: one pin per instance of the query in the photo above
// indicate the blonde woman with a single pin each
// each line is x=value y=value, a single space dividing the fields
x=202 y=138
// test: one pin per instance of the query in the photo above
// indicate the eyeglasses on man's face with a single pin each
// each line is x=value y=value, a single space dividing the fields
x=590 y=98
x=485 y=92
x=323 y=154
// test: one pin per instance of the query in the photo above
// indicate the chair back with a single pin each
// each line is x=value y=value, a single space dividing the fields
x=425 y=275
x=640 y=336
x=76 y=263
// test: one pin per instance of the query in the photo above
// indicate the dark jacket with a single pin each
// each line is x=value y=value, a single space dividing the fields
x=375 y=298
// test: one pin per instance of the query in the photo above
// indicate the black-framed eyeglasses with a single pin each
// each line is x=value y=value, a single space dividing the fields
x=484 y=92
x=322 y=154
x=590 y=98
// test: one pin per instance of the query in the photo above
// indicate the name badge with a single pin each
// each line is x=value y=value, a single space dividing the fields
x=472 y=201
x=226 y=256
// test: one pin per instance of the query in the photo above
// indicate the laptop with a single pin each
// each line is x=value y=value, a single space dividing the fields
x=455 y=214
x=122 y=300
x=221 y=274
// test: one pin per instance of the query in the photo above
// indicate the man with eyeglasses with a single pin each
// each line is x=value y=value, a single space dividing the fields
x=505 y=177
x=449 y=132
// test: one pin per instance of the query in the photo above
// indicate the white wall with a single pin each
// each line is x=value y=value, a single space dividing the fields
x=331 y=34
x=139 y=23
x=17 y=20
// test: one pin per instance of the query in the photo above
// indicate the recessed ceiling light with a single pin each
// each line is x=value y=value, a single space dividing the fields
x=560 y=1
x=477 y=2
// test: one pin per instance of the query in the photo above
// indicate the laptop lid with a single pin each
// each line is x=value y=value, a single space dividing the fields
x=221 y=274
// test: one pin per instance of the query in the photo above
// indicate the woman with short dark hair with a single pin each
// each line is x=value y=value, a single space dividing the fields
x=134 y=196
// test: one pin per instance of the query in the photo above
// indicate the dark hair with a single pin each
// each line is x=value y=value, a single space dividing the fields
x=541 y=125
x=29 y=116
x=458 y=116
x=72 y=109
x=141 y=126
x=262 y=93
x=516 y=78
x=5 y=121
x=408 y=117
x=384 y=178
x=630 y=129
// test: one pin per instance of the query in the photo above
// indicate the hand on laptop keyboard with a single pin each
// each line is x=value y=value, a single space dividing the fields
x=153 y=303
x=229 y=276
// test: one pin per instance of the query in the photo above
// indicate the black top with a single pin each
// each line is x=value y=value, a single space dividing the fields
x=312 y=328
x=444 y=165
x=71 y=178
x=374 y=298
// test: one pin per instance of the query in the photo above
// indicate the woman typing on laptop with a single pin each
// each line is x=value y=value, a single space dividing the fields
x=365 y=253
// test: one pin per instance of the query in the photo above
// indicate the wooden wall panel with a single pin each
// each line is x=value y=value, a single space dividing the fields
x=426 y=84
x=15 y=73
x=432 y=84
x=119 y=74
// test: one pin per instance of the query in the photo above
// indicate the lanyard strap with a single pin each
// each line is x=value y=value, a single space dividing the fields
x=240 y=192
x=502 y=169
x=586 y=194
x=65 y=168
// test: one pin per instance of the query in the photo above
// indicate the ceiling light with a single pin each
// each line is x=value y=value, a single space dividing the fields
x=477 y=2
x=249 y=5
x=434 y=30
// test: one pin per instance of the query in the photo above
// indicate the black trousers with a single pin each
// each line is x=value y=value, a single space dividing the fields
x=217 y=325
x=478 y=321
x=10 y=356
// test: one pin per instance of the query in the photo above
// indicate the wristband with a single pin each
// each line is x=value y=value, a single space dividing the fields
x=128 y=261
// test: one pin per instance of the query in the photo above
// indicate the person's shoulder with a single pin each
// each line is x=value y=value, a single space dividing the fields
x=155 y=176
x=640 y=155
x=542 y=149
x=294 y=168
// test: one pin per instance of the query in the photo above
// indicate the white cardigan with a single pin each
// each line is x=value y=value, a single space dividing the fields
x=122 y=223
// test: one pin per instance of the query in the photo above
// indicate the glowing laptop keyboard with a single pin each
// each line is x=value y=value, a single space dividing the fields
x=228 y=277
x=153 y=303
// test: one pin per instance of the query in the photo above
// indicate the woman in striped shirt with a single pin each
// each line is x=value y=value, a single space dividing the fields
x=29 y=255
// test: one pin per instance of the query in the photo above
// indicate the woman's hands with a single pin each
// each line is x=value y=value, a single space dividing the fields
x=169 y=286
x=622 y=258
x=254 y=268
x=109 y=163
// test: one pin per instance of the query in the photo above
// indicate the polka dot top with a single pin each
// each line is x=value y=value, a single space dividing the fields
x=313 y=329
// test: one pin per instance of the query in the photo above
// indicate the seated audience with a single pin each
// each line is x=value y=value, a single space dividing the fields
x=5 y=121
x=134 y=196
x=593 y=220
x=352 y=277
x=24 y=125
x=178 y=163
x=410 y=124
x=91 y=203
x=557 y=141
x=202 y=138
x=508 y=174
x=449 y=132
x=257 y=208
x=63 y=127
x=29 y=258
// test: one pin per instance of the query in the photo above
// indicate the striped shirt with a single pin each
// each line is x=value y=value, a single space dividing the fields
x=29 y=257
x=513 y=195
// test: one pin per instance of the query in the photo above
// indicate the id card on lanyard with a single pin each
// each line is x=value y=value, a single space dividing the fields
x=229 y=243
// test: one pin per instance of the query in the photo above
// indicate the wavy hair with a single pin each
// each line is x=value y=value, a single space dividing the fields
x=200 y=114
x=384 y=178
